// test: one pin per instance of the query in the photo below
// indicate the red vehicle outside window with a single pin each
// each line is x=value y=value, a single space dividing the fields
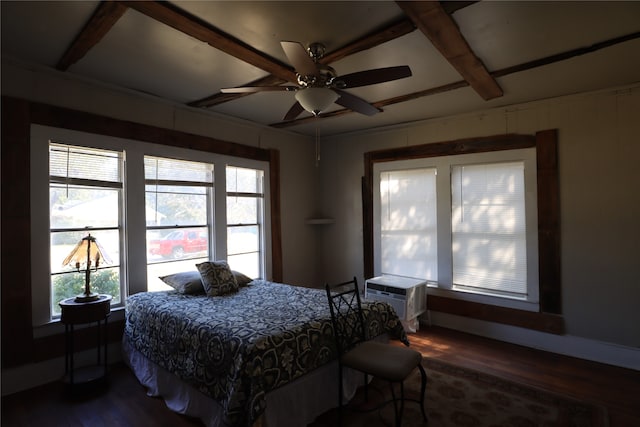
x=179 y=243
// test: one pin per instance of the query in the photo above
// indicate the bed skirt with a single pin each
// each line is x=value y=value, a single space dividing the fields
x=296 y=404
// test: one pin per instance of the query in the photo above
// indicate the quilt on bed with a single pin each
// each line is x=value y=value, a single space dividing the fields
x=236 y=348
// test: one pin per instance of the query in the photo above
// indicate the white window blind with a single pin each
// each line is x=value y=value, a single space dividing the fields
x=488 y=228
x=408 y=223
x=68 y=164
x=85 y=196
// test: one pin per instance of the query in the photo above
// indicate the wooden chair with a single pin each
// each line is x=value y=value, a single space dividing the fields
x=385 y=361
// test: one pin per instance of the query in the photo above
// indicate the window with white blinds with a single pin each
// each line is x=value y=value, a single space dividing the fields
x=488 y=228
x=408 y=223
x=148 y=205
x=85 y=197
x=245 y=220
x=466 y=223
x=178 y=206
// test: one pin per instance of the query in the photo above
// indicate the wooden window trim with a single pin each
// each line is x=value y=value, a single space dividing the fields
x=549 y=318
x=18 y=345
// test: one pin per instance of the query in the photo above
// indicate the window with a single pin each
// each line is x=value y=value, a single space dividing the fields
x=245 y=219
x=463 y=222
x=408 y=223
x=489 y=241
x=152 y=208
x=178 y=205
x=85 y=197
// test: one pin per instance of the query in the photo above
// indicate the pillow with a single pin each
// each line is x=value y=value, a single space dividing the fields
x=241 y=279
x=188 y=282
x=217 y=278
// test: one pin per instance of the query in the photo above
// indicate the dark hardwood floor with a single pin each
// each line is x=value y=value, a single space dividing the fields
x=125 y=403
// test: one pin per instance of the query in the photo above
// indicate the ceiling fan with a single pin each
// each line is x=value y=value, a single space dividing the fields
x=319 y=86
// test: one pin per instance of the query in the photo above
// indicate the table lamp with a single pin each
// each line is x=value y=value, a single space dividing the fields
x=88 y=252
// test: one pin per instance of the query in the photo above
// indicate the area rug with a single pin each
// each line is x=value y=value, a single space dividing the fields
x=459 y=397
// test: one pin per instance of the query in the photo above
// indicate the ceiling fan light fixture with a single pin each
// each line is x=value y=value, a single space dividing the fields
x=316 y=99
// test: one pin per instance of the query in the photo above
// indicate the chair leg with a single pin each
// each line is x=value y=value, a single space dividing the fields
x=395 y=402
x=366 y=387
x=423 y=388
x=340 y=395
x=399 y=419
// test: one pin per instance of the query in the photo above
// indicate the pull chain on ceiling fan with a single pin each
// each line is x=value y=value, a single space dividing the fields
x=319 y=86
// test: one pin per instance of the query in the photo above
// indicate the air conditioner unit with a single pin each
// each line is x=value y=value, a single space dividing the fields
x=407 y=296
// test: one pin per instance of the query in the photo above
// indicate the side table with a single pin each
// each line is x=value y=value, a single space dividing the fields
x=76 y=313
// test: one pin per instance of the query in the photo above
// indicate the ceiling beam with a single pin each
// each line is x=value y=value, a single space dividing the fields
x=397 y=29
x=105 y=16
x=440 y=28
x=393 y=31
x=525 y=66
x=201 y=30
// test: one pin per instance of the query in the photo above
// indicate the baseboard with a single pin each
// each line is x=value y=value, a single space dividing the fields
x=33 y=375
x=568 y=345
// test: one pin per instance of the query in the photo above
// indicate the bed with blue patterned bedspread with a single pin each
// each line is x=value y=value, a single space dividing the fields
x=238 y=347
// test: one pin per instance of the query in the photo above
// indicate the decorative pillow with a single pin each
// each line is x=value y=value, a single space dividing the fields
x=188 y=282
x=217 y=278
x=241 y=279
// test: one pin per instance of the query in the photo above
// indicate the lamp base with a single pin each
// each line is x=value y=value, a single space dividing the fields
x=87 y=297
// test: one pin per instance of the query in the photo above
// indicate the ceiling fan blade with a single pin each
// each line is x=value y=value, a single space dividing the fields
x=251 y=89
x=378 y=75
x=355 y=103
x=300 y=59
x=293 y=112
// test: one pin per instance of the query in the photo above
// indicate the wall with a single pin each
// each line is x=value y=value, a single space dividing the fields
x=599 y=202
x=298 y=176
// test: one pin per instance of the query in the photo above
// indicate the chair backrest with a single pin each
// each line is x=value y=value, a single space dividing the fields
x=346 y=314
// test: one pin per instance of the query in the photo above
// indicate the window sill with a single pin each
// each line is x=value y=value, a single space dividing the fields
x=544 y=322
x=483 y=298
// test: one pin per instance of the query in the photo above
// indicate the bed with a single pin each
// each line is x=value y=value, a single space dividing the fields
x=263 y=355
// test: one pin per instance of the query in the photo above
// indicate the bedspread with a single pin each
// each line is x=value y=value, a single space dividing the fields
x=236 y=348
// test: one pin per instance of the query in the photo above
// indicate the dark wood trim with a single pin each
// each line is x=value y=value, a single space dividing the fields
x=544 y=322
x=397 y=29
x=450 y=148
x=562 y=56
x=545 y=143
x=443 y=32
x=367 y=220
x=221 y=98
x=276 y=220
x=18 y=344
x=105 y=16
x=549 y=221
x=65 y=118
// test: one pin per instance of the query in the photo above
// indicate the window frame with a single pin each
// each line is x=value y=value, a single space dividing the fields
x=261 y=206
x=444 y=285
x=209 y=220
x=134 y=240
x=545 y=142
x=56 y=180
